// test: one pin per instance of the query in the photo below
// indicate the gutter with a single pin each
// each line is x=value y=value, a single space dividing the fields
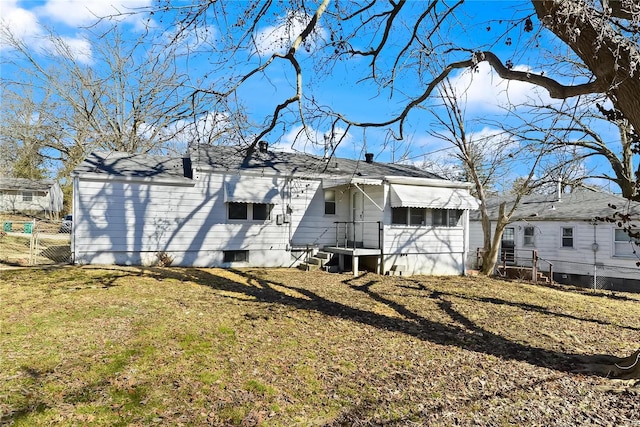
x=101 y=177
x=427 y=182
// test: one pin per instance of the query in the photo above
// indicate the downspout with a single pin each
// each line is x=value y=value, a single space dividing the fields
x=74 y=218
x=465 y=246
x=594 y=248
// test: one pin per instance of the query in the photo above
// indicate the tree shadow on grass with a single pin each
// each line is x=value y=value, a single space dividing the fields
x=524 y=306
x=464 y=334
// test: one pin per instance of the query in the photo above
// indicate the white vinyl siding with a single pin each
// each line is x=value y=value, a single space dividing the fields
x=577 y=260
x=128 y=223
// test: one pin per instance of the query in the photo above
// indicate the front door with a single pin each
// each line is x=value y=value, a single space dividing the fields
x=357 y=216
x=508 y=245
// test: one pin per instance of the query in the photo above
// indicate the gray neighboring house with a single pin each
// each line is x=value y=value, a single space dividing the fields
x=218 y=207
x=563 y=230
x=30 y=196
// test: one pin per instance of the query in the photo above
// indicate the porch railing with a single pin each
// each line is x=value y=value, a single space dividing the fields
x=346 y=234
x=525 y=258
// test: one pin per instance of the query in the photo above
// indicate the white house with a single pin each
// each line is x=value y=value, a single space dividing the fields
x=566 y=232
x=220 y=207
x=32 y=196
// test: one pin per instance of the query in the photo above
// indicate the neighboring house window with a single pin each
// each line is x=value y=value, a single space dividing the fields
x=27 y=196
x=567 y=237
x=236 y=256
x=529 y=233
x=330 y=202
x=446 y=217
x=237 y=210
x=417 y=216
x=623 y=245
x=399 y=216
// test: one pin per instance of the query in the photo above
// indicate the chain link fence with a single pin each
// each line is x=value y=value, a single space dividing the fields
x=583 y=274
x=597 y=276
x=625 y=279
x=31 y=242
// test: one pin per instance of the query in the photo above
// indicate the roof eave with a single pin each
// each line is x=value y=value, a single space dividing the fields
x=91 y=176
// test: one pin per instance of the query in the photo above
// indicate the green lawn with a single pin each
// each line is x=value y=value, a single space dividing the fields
x=169 y=346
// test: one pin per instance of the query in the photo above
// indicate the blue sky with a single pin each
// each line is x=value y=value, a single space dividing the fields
x=486 y=95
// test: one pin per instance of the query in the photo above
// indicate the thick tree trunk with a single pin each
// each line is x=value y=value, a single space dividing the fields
x=492 y=245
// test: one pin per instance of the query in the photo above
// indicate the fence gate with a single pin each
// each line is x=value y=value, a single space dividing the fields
x=25 y=242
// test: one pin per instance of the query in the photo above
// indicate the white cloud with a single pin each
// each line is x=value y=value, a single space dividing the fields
x=483 y=89
x=27 y=25
x=79 y=49
x=277 y=39
x=82 y=12
x=22 y=23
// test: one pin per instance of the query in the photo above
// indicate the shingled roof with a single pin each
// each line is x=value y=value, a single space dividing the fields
x=583 y=204
x=21 y=184
x=225 y=158
x=234 y=159
x=118 y=164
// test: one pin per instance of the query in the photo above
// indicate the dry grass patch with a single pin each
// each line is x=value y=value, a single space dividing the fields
x=177 y=346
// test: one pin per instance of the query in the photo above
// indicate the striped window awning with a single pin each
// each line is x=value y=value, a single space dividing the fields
x=251 y=191
x=415 y=196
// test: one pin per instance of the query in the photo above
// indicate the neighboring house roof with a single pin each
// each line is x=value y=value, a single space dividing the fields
x=25 y=184
x=226 y=159
x=582 y=204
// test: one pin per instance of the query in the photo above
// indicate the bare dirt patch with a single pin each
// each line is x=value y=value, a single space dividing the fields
x=284 y=347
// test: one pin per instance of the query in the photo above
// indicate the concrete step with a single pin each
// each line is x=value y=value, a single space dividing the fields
x=316 y=261
x=323 y=255
x=308 y=267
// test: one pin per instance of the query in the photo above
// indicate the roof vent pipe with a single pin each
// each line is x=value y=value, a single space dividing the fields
x=368 y=157
x=559 y=191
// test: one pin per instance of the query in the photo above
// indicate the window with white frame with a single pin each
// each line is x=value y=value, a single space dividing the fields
x=417 y=216
x=330 y=202
x=399 y=216
x=446 y=217
x=409 y=216
x=567 y=237
x=623 y=244
x=246 y=211
x=529 y=236
x=27 y=196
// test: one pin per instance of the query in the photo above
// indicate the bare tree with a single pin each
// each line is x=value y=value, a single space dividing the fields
x=576 y=135
x=123 y=97
x=24 y=133
x=393 y=41
x=482 y=161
